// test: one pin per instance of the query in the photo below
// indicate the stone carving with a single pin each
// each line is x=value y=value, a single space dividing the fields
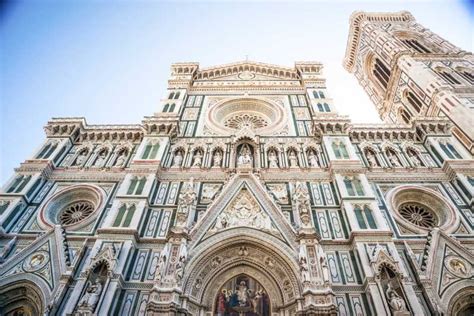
x=7 y=248
x=304 y=270
x=209 y=191
x=414 y=158
x=217 y=159
x=397 y=304
x=323 y=262
x=91 y=296
x=100 y=160
x=81 y=158
x=313 y=159
x=178 y=159
x=280 y=193
x=244 y=211
x=197 y=159
x=121 y=159
x=371 y=158
x=245 y=157
x=272 y=159
x=186 y=203
x=179 y=269
x=293 y=159
x=393 y=159
x=457 y=266
x=301 y=204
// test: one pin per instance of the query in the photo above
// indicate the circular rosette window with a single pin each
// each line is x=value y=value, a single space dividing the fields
x=262 y=117
x=419 y=209
x=73 y=207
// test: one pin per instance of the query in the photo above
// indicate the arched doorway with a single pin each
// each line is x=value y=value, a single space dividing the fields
x=462 y=303
x=242 y=295
x=21 y=298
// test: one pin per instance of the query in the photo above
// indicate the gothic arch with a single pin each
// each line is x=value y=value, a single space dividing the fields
x=241 y=251
x=27 y=292
x=462 y=300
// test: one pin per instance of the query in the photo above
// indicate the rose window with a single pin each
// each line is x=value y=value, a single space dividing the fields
x=76 y=212
x=418 y=214
x=251 y=121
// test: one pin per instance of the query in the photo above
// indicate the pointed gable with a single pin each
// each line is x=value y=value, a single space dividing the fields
x=244 y=202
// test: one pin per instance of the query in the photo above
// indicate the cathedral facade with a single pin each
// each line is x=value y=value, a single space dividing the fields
x=248 y=194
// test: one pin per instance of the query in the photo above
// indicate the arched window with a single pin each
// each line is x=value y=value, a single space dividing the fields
x=15 y=184
x=340 y=150
x=19 y=184
x=315 y=94
x=466 y=74
x=132 y=186
x=146 y=153
x=405 y=115
x=336 y=150
x=321 y=95
x=364 y=217
x=320 y=107
x=141 y=185
x=124 y=216
x=177 y=95
x=43 y=151
x=171 y=95
x=381 y=72
x=344 y=152
x=417 y=46
x=448 y=77
x=414 y=102
x=349 y=187
x=166 y=107
x=446 y=151
x=172 y=107
x=154 y=150
x=453 y=150
x=326 y=107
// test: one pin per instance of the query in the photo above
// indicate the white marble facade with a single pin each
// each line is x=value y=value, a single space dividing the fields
x=248 y=194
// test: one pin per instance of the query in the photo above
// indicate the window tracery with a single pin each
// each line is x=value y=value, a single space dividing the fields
x=418 y=214
x=76 y=212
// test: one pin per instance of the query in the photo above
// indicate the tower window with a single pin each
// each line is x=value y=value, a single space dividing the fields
x=414 y=44
x=469 y=76
x=414 y=102
x=381 y=72
x=364 y=217
x=448 y=77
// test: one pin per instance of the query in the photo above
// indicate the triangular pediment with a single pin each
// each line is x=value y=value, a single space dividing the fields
x=244 y=202
x=445 y=264
x=46 y=259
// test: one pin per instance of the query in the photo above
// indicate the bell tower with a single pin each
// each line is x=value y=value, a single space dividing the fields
x=410 y=72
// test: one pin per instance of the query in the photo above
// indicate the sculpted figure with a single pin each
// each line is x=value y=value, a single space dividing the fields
x=293 y=159
x=100 y=161
x=245 y=156
x=301 y=203
x=394 y=300
x=92 y=295
x=179 y=270
x=217 y=159
x=272 y=160
x=121 y=159
x=81 y=158
x=324 y=265
x=414 y=158
x=392 y=157
x=313 y=159
x=186 y=202
x=197 y=159
x=371 y=159
x=304 y=270
x=178 y=159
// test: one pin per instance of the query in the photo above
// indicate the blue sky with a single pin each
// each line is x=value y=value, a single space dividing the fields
x=109 y=61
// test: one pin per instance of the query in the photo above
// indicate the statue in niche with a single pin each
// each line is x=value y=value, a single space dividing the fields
x=393 y=159
x=81 y=158
x=324 y=265
x=301 y=203
x=121 y=159
x=178 y=159
x=304 y=269
x=179 y=269
x=186 y=202
x=313 y=159
x=160 y=268
x=414 y=158
x=92 y=295
x=245 y=157
x=397 y=304
x=293 y=159
x=217 y=159
x=272 y=159
x=197 y=159
x=371 y=158
x=100 y=160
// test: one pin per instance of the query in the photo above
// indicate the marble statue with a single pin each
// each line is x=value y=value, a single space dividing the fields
x=178 y=159
x=293 y=159
x=313 y=159
x=272 y=160
x=396 y=303
x=245 y=157
x=92 y=295
x=217 y=159
x=197 y=159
